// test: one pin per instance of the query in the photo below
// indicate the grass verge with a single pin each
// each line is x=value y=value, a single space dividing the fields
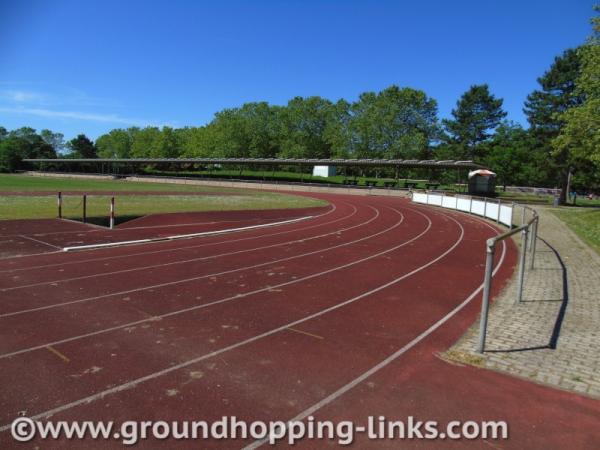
x=26 y=183
x=131 y=206
x=585 y=222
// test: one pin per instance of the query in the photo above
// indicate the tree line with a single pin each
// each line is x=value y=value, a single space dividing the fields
x=563 y=134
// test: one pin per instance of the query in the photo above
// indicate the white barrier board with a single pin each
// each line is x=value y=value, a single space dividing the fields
x=492 y=211
x=478 y=207
x=449 y=202
x=419 y=197
x=506 y=213
x=435 y=199
x=463 y=204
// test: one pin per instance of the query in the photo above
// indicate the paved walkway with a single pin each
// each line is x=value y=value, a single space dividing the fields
x=553 y=336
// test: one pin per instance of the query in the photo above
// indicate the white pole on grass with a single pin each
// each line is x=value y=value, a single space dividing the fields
x=112 y=212
x=59 y=202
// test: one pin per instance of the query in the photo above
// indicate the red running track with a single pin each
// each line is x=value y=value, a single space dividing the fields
x=341 y=316
x=36 y=237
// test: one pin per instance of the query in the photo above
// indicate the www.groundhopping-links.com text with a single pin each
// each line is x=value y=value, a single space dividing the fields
x=25 y=429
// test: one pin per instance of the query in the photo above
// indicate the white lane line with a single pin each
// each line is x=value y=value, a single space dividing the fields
x=231 y=298
x=38 y=241
x=138 y=268
x=183 y=236
x=132 y=383
x=30 y=254
x=200 y=276
x=182 y=248
x=352 y=384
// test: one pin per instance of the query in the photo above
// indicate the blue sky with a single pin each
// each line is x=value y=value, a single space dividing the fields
x=90 y=66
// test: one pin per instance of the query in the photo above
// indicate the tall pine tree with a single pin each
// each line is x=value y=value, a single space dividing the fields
x=476 y=115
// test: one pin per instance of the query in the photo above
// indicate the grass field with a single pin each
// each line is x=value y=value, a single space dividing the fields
x=585 y=222
x=25 y=183
x=131 y=206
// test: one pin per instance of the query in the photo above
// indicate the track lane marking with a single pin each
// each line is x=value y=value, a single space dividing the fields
x=57 y=353
x=38 y=241
x=295 y=330
x=135 y=382
x=227 y=299
x=175 y=249
x=184 y=261
x=172 y=283
x=356 y=381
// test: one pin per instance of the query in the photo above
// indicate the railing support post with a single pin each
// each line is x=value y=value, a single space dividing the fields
x=522 y=261
x=533 y=242
x=485 y=301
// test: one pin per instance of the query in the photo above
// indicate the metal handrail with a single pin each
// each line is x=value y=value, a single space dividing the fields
x=525 y=228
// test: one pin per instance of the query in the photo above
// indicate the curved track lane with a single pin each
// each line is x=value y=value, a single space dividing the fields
x=260 y=325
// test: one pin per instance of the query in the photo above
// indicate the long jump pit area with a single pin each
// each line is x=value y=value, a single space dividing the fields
x=255 y=329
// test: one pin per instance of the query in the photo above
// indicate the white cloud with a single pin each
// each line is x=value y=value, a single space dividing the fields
x=77 y=115
x=21 y=96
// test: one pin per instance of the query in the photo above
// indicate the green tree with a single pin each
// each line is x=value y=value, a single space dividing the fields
x=508 y=153
x=82 y=147
x=579 y=138
x=144 y=143
x=116 y=143
x=304 y=127
x=476 y=115
x=56 y=140
x=544 y=108
x=394 y=123
x=20 y=144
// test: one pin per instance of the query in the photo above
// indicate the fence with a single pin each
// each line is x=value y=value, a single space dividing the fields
x=502 y=213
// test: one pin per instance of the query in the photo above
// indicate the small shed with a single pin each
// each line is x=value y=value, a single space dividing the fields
x=482 y=182
x=324 y=171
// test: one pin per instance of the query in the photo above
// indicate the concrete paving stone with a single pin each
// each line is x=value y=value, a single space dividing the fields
x=575 y=362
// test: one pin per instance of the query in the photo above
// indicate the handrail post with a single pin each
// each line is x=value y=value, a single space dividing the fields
x=485 y=301
x=522 y=262
x=533 y=230
x=533 y=242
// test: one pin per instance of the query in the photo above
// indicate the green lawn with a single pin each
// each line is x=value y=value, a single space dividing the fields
x=585 y=222
x=131 y=206
x=26 y=183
